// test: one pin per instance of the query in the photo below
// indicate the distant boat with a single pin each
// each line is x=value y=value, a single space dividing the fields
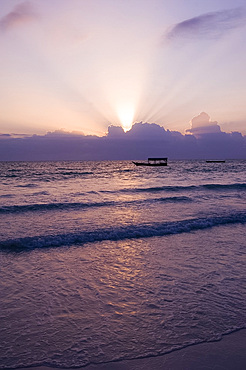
x=154 y=162
x=215 y=161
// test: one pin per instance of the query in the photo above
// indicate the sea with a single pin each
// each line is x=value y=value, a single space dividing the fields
x=106 y=261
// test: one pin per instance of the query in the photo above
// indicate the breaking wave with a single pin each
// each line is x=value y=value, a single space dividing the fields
x=123 y=232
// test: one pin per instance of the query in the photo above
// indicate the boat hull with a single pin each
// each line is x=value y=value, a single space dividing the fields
x=215 y=161
x=150 y=164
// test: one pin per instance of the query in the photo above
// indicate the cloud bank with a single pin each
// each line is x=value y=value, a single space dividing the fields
x=208 y=25
x=21 y=14
x=204 y=141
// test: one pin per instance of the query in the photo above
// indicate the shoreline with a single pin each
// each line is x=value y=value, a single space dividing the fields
x=229 y=353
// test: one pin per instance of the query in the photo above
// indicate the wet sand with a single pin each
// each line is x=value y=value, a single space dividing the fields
x=227 y=354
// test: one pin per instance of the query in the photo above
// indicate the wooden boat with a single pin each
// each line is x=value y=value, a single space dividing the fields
x=154 y=162
x=215 y=161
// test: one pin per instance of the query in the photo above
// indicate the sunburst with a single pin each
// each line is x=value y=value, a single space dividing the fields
x=126 y=116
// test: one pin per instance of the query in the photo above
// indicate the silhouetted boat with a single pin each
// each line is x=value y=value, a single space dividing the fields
x=154 y=162
x=215 y=161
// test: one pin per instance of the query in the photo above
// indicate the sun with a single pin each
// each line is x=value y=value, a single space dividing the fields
x=126 y=116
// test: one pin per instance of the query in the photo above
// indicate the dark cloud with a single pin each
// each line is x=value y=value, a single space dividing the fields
x=207 y=25
x=21 y=13
x=5 y=136
x=145 y=131
x=142 y=141
x=115 y=132
x=13 y=136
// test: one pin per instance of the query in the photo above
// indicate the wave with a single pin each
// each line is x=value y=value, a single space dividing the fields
x=77 y=205
x=74 y=173
x=27 y=185
x=235 y=186
x=11 y=176
x=41 y=193
x=51 y=206
x=124 y=232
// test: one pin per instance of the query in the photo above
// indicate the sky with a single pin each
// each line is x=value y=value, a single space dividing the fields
x=83 y=65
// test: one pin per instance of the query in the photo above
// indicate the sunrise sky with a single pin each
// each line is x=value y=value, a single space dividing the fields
x=81 y=65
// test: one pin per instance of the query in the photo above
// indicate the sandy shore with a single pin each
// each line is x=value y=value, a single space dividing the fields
x=226 y=354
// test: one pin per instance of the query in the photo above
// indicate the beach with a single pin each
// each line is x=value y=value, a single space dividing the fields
x=107 y=266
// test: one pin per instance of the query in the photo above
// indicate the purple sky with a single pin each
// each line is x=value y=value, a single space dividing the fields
x=83 y=65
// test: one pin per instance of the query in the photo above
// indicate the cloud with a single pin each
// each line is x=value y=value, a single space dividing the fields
x=142 y=141
x=5 y=136
x=146 y=131
x=208 y=25
x=62 y=133
x=201 y=125
x=115 y=132
x=21 y=14
x=13 y=136
x=139 y=131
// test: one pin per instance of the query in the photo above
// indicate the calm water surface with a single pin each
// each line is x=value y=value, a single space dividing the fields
x=101 y=261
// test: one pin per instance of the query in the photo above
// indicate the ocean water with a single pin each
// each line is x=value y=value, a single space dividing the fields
x=102 y=261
